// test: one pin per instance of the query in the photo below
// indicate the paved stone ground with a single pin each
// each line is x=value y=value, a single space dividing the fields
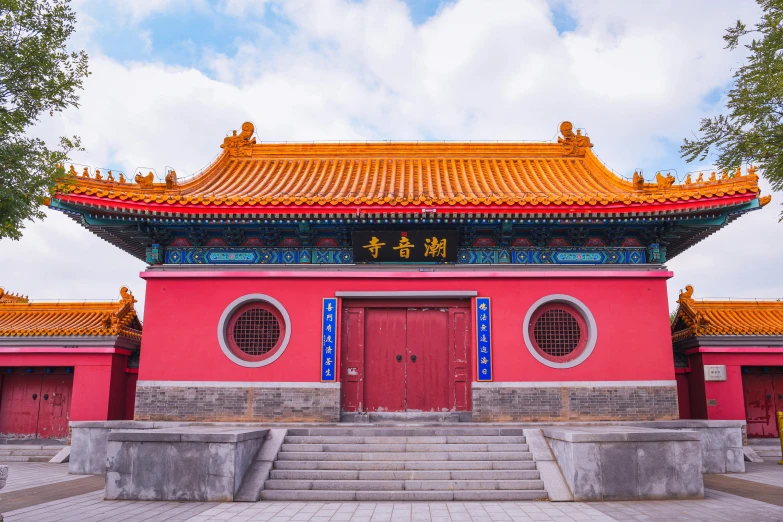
x=23 y=475
x=90 y=507
x=768 y=472
x=717 y=506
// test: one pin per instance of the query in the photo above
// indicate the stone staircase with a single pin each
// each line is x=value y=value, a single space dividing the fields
x=28 y=452
x=767 y=449
x=404 y=463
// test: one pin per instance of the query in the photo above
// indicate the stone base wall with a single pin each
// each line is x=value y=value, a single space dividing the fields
x=499 y=402
x=237 y=402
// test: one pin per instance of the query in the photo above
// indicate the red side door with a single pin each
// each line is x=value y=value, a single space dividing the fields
x=21 y=399
x=352 y=359
x=428 y=379
x=459 y=346
x=777 y=393
x=759 y=395
x=55 y=406
x=384 y=359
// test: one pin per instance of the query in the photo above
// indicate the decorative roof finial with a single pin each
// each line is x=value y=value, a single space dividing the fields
x=127 y=296
x=145 y=182
x=242 y=143
x=574 y=144
x=171 y=179
x=664 y=182
x=638 y=181
x=763 y=200
x=686 y=295
x=6 y=297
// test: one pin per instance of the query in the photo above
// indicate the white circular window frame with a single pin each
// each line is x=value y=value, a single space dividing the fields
x=233 y=307
x=592 y=330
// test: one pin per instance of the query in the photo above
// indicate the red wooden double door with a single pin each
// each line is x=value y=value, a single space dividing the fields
x=35 y=405
x=398 y=357
x=763 y=393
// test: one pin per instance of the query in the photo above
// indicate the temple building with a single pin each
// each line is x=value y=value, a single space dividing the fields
x=729 y=360
x=66 y=361
x=483 y=281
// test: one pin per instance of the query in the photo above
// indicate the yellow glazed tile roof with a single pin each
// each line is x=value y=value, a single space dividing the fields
x=566 y=173
x=20 y=318
x=712 y=317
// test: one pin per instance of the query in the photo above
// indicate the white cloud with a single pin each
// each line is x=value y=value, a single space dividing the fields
x=632 y=73
x=141 y=9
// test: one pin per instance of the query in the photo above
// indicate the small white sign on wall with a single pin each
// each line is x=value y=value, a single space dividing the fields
x=714 y=372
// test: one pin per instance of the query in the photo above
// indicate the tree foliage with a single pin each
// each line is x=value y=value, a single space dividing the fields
x=38 y=75
x=752 y=131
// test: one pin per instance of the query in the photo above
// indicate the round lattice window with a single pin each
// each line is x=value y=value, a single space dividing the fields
x=254 y=331
x=560 y=331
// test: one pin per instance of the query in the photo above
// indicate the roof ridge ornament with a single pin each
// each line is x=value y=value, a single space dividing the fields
x=6 y=297
x=686 y=295
x=127 y=295
x=664 y=182
x=242 y=143
x=573 y=144
x=145 y=182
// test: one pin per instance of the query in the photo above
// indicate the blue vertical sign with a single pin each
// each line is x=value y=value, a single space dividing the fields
x=484 y=338
x=329 y=340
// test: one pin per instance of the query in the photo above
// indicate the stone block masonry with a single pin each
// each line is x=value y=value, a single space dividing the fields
x=574 y=401
x=237 y=401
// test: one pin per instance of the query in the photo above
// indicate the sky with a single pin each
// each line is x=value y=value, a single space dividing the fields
x=171 y=78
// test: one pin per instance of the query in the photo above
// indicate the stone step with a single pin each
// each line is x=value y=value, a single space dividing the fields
x=411 y=431
x=405 y=456
x=449 y=465
x=405 y=496
x=766 y=453
x=29 y=452
x=54 y=447
x=403 y=485
x=409 y=448
x=404 y=475
x=17 y=458
x=443 y=439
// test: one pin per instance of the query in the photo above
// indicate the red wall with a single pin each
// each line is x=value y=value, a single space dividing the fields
x=182 y=311
x=728 y=394
x=132 y=377
x=683 y=394
x=99 y=379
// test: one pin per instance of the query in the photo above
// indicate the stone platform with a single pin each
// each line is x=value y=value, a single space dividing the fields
x=188 y=463
x=627 y=463
x=407 y=461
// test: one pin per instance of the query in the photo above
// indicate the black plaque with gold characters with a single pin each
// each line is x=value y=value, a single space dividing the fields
x=412 y=246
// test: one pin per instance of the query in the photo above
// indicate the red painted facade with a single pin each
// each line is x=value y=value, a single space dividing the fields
x=180 y=340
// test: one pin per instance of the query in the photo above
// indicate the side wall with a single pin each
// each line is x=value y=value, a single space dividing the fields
x=98 y=377
x=629 y=375
x=724 y=400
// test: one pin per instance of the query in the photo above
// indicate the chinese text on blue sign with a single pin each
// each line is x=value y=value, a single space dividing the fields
x=328 y=340
x=484 y=337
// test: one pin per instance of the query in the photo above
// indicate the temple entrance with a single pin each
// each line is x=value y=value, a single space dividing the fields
x=35 y=404
x=762 y=388
x=399 y=357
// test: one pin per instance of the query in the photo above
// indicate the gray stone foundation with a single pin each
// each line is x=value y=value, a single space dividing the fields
x=237 y=402
x=188 y=463
x=543 y=402
x=627 y=463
